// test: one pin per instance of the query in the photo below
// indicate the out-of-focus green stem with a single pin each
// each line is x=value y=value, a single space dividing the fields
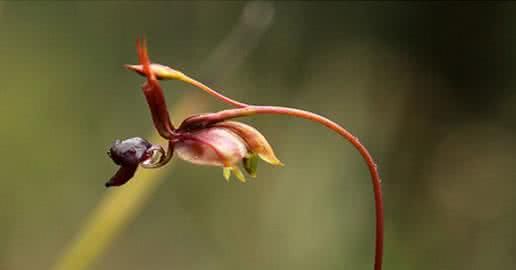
x=117 y=208
x=108 y=219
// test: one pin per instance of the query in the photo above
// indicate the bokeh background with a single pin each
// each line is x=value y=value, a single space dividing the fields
x=427 y=87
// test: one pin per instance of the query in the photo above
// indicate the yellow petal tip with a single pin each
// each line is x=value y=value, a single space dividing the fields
x=271 y=160
x=238 y=173
x=226 y=172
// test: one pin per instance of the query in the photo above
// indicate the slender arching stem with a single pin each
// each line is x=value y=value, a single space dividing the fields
x=247 y=110
x=207 y=119
x=243 y=109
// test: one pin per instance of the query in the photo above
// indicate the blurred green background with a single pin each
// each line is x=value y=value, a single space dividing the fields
x=427 y=87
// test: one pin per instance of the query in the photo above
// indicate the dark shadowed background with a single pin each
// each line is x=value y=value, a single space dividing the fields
x=427 y=87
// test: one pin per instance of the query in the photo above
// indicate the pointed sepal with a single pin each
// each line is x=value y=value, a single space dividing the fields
x=256 y=142
x=226 y=172
x=238 y=173
x=250 y=164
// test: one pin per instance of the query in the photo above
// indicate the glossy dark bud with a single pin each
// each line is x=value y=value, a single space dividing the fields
x=129 y=152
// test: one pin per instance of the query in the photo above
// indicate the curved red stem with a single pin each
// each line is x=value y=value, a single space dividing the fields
x=373 y=170
x=248 y=110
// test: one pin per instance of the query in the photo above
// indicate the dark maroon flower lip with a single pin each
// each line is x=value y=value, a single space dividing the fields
x=128 y=154
x=131 y=153
x=122 y=176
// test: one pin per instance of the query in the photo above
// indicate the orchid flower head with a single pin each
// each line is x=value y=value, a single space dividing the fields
x=219 y=143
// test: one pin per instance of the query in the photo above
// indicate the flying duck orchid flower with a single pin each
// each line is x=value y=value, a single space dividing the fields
x=214 y=139
x=220 y=143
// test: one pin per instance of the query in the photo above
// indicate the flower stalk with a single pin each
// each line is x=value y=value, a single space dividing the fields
x=211 y=139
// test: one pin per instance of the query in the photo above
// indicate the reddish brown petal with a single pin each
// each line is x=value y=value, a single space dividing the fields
x=154 y=95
